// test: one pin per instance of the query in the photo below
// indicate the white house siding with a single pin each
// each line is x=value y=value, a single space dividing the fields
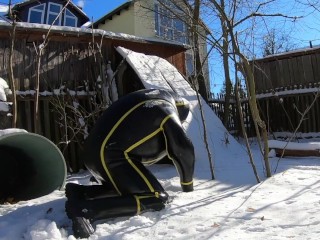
x=144 y=19
x=123 y=23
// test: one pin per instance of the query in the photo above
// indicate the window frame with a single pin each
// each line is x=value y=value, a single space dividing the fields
x=189 y=60
x=166 y=22
x=58 y=22
x=33 y=9
x=74 y=17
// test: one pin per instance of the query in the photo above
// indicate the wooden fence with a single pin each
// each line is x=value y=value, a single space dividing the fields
x=300 y=68
x=282 y=110
x=69 y=90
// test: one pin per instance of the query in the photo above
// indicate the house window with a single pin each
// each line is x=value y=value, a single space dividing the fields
x=189 y=64
x=53 y=12
x=167 y=24
x=70 y=19
x=36 y=14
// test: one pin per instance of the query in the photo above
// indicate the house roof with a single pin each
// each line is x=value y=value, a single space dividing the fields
x=71 y=5
x=109 y=15
x=63 y=31
x=289 y=54
x=125 y=6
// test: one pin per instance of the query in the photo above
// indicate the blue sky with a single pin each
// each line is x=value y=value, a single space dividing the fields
x=302 y=31
x=95 y=9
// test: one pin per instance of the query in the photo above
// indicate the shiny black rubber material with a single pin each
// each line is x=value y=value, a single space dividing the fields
x=75 y=191
x=112 y=207
x=81 y=227
x=15 y=173
x=139 y=129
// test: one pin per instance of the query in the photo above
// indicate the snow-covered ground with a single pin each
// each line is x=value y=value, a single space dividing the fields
x=234 y=206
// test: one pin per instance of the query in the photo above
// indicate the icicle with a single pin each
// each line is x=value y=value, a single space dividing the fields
x=104 y=90
x=112 y=83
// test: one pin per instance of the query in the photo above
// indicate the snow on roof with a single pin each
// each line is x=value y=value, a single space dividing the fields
x=3 y=12
x=287 y=92
x=3 y=9
x=294 y=145
x=296 y=52
x=83 y=30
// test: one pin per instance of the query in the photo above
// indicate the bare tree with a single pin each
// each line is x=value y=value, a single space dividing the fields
x=233 y=14
x=225 y=60
x=40 y=51
x=11 y=75
x=200 y=78
x=275 y=42
x=191 y=17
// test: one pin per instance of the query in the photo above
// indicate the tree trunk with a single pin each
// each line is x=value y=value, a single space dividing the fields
x=225 y=58
x=255 y=112
x=199 y=65
x=11 y=76
x=249 y=77
x=244 y=133
x=201 y=81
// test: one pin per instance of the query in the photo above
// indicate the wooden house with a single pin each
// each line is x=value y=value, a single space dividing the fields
x=70 y=73
x=153 y=19
x=46 y=12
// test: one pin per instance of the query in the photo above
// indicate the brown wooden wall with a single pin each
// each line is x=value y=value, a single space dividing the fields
x=282 y=112
x=71 y=63
x=295 y=68
x=71 y=58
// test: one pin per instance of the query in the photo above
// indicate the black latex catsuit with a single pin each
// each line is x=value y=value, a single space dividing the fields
x=139 y=129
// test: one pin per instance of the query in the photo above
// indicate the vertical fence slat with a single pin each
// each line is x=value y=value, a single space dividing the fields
x=280 y=113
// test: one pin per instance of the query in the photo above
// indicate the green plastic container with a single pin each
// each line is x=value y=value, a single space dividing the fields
x=31 y=166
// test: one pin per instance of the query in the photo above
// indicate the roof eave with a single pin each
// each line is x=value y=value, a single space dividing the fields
x=20 y=5
x=109 y=15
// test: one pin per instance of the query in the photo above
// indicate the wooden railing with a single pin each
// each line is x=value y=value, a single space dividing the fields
x=281 y=109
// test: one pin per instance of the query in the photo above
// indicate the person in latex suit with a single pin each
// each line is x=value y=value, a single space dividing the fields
x=139 y=129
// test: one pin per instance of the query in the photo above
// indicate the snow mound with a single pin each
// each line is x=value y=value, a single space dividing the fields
x=293 y=145
x=3 y=88
x=156 y=72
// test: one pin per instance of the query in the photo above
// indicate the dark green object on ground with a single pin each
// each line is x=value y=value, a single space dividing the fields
x=31 y=166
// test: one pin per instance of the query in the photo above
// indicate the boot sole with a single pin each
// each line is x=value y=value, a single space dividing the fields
x=81 y=227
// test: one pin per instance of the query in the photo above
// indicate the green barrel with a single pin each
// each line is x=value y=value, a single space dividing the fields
x=31 y=166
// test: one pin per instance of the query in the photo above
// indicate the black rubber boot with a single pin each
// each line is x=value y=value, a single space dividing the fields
x=83 y=212
x=112 y=207
x=75 y=191
x=104 y=208
x=81 y=227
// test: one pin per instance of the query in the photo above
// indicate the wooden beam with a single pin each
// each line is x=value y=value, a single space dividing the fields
x=297 y=153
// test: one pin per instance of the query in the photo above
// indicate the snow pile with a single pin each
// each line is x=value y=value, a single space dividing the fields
x=84 y=30
x=294 y=145
x=4 y=90
x=10 y=130
x=156 y=72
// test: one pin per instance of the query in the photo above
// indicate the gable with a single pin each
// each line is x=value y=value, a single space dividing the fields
x=116 y=12
x=45 y=11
